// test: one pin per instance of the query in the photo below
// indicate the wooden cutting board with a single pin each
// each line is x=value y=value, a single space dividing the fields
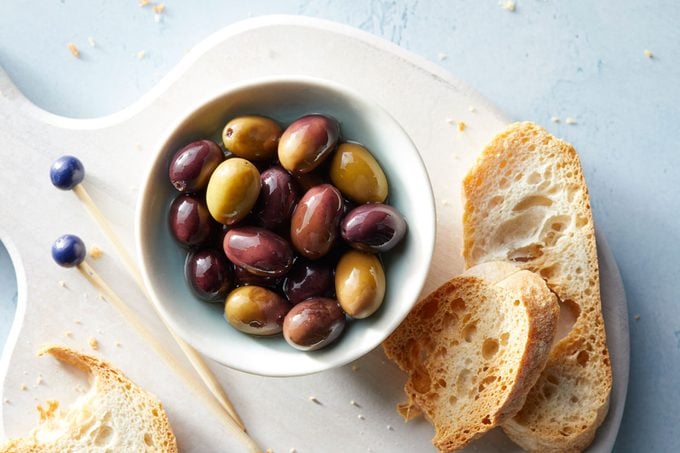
x=58 y=305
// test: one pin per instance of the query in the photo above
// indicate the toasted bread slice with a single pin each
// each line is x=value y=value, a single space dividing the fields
x=527 y=203
x=473 y=349
x=115 y=415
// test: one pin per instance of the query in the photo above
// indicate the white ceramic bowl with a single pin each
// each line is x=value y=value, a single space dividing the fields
x=286 y=98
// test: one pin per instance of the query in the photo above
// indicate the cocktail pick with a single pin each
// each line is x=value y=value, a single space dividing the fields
x=67 y=173
x=70 y=251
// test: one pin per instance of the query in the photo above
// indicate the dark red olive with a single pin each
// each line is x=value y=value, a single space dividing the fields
x=313 y=324
x=373 y=227
x=314 y=225
x=307 y=142
x=259 y=251
x=243 y=277
x=208 y=274
x=278 y=196
x=190 y=221
x=308 y=279
x=191 y=166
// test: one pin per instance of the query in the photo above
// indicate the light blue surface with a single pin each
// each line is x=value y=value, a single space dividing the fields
x=578 y=59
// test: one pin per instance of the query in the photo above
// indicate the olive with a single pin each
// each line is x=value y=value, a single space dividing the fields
x=308 y=279
x=190 y=221
x=252 y=137
x=232 y=190
x=207 y=272
x=278 y=196
x=373 y=227
x=359 y=283
x=191 y=166
x=256 y=310
x=258 y=251
x=313 y=324
x=307 y=142
x=314 y=225
x=358 y=175
x=243 y=277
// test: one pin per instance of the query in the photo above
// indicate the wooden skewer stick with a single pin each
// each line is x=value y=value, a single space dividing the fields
x=194 y=357
x=137 y=324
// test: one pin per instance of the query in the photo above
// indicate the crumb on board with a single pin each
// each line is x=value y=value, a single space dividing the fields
x=73 y=49
x=570 y=120
x=39 y=380
x=509 y=5
x=390 y=428
x=292 y=450
x=442 y=56
x=144 y=3
x=361 y=417
x=354 y=403
x=77 y=321
x=450 y=121
x=91 y=41
x=269 y=450
x=49 y=409
x=95 y=252
x=648 y=53
x=315 y=400
x=461 y=126
x=355 y=367
x=23 y=387
x=94 y=344
x=8 y=401
x=68 y=334
x=62 y=283
x=117 y=344
x=472 y=108
x=554 y=119
x=636 y=317
x=141 y=54
x=158 y=8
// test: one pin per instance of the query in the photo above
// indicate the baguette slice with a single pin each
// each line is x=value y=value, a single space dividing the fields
x=527 y=203
x=473 y=349
x=115 y=415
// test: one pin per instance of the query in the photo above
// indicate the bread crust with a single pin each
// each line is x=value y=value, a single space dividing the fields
x=494 y=385
x=523 y=180
x=104 y=377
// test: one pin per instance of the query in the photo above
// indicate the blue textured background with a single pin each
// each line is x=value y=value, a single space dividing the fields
x=579 y=59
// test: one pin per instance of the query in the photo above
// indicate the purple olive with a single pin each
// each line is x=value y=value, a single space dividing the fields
x=243 y=277
x=307 y=142
x=207 y=272
x=191 y=166
x=259 y=251
x=313 y=324
x=255 y=310
x=314 y=225
x=308 y=279
x=373 y=227
x=190 y=221
x=278 y=196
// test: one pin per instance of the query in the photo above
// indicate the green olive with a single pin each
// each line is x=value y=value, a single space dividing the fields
x=358 y=175
x=252 y=137
x=256 y=310
x=359 y=283
x=232 y=190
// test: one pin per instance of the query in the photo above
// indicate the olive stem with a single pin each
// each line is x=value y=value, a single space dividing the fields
x=194 y=357
x=138 y=326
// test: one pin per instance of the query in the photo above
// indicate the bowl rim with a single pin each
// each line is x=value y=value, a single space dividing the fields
x=144 y=199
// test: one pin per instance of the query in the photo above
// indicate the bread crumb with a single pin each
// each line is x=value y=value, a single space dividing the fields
x=361 y=417
x=8 y=401
x=68 y=334
x=117 y=344
x=636 y=317
x=570 y=120
x=354 y=403
x=62 y=283
x=39 y=380
x=73 y=49
x=450 y=120
x=554 y=119
x=314 y=400
x=49 y=410
x=144 y=3
x=389 y=428
x=95 y=252
x=509 y=5
x=442 y=56
x=648 y=53
x=292 y=450
x=23 y=387
x=472 y=108
x=141 y=54
x=355 y=368
x=77 y=321
x=159 y=8
x=461 y=126
x=91 y=41
x=269 y=450
x=94 y=344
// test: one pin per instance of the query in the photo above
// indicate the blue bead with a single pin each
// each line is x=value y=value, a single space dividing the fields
x=67 y=172
x=68 y=250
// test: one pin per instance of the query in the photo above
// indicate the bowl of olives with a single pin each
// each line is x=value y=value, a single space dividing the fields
x=285 y=226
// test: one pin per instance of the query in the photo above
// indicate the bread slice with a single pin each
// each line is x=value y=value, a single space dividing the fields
x=527 y=203
x=473 y=349
x=115 y=415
